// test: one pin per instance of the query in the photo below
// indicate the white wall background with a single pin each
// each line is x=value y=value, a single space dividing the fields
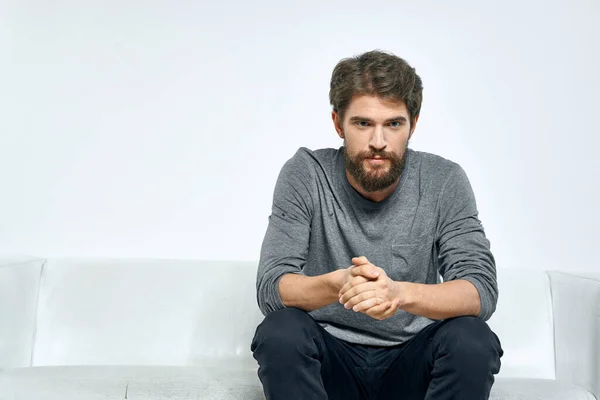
x=157 y=128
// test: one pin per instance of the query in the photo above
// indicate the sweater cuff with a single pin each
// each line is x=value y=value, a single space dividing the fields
x=487 y=306
x=272 y=301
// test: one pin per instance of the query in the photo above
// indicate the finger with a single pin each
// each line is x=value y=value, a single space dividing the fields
x=366 y=303
x=356 y=290
x=391 y=311
x=367 y=270
x=363 y=301
x=384 y=310
x=360 y=260
x=378 y=309
x=355 y=281
x=358 y=280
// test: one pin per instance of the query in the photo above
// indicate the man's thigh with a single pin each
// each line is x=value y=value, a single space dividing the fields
x=300 y=359
x=408 y=374
x=343 y=367
x=434 y=362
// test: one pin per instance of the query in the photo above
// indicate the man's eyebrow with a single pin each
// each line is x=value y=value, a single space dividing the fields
x=359 y=118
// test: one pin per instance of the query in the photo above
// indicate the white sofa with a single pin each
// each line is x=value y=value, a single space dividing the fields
x=181 y=329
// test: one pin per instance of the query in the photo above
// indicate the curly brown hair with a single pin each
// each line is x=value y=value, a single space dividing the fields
x=375 y=73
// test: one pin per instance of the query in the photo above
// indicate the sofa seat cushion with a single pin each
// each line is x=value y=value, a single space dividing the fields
x=537 y=389
x=209 y=383
x=130 y=382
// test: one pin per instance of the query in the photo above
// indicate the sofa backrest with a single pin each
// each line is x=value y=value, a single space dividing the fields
x=19 y=285
x=169 y=312
x=523 y=322
x=145 y=312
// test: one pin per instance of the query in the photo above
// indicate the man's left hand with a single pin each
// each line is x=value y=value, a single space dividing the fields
x=377 y=297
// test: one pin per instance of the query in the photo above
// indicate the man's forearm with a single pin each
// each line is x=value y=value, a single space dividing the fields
x=310 y=292
x=439 y=301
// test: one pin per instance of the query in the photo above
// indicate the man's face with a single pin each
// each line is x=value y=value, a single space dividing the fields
x=376 y=134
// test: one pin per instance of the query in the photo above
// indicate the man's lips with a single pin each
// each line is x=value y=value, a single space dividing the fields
x=376 y=160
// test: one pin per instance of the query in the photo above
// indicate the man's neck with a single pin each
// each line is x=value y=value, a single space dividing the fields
x=375 y=197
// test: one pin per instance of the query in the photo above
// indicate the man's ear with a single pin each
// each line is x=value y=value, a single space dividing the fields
x=337 y=124
x=413 y=126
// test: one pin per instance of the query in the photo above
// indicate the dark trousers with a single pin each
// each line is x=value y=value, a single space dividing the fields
x=451 y=359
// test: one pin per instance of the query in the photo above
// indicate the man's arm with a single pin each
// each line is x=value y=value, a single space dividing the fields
x=280 y=280
x=463 y=253
x=464 y=258
x=436 y=301
x=311 y=292
x=285 y=245
x=439 y=301
x=466 y=264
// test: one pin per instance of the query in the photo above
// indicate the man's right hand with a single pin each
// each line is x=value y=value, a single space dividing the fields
x=310 y=293
x=361 y=272
x=342 y=276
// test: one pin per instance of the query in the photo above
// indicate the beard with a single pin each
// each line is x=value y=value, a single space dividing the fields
x=376 y=178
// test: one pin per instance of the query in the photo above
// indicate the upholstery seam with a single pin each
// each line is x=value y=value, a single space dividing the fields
x=35 y=320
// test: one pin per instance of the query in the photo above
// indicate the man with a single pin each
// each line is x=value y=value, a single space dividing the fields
x=350 y=267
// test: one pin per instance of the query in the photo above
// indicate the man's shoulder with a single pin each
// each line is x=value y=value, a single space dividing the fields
x=317 y=155
x=306 y=160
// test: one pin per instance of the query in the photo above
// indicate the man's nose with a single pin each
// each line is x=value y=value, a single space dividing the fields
x=377 y=141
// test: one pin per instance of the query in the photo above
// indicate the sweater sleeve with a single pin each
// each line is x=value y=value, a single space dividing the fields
x=463 y=249
x=285 y=245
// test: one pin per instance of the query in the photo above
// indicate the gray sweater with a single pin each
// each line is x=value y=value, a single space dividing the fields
x=426 y=231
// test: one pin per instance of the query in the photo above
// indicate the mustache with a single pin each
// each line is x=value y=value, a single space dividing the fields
x=372 y=154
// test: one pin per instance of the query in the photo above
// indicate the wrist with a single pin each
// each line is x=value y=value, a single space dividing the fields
x=404 y=292
x=336 y=280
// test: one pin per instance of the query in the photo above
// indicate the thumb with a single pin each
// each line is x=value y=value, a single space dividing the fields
x=360 y=260
x=366 y=270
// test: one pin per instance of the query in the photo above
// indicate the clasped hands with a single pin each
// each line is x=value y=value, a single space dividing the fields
x=369 y=290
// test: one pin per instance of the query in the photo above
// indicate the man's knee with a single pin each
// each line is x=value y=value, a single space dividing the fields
x=469 y=340
x=284 y=330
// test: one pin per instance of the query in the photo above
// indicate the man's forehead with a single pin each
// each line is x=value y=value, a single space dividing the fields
x=376 y=103
x=370 y=107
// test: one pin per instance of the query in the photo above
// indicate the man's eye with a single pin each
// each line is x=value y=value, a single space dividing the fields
x=362 y=123
x=395 y=124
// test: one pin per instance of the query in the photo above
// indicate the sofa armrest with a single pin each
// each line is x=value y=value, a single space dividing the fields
x=576 y=309
x=19 y=287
